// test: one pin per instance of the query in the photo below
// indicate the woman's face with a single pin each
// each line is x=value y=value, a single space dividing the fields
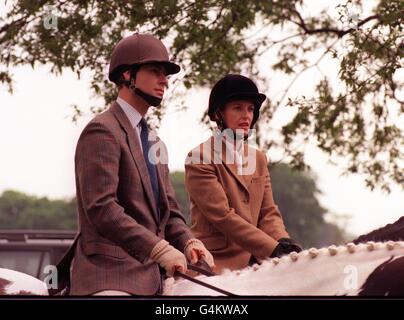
x=238 y=114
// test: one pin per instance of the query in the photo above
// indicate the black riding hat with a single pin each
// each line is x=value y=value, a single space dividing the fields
x=234 y=87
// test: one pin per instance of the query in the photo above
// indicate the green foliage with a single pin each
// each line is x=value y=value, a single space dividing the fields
x=351 y=118
x=295 y=193
x=21 y=211
x=181 y=194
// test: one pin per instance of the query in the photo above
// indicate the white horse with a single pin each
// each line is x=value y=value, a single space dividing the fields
x=372 y=268
x=18 y=283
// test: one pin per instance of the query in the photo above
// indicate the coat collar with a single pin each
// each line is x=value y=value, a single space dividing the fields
x=244 y=172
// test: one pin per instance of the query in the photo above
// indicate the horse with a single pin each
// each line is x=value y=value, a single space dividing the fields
x=18 y=283
x=364 y=269
x=371 y=265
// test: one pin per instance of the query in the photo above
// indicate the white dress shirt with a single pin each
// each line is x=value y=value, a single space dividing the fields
x=133 y=115
x=235 y=148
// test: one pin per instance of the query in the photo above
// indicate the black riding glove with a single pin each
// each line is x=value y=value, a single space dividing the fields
x=285 y=246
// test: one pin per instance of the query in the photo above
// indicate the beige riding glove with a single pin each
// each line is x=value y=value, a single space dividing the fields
x=195 y=250
x=168 y=258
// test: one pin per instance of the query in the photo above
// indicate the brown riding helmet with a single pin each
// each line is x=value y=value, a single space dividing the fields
x=139 y=49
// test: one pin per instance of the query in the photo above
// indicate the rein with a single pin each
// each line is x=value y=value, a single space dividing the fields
x=205 y=270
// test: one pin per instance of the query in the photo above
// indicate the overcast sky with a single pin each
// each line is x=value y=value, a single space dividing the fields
x=38 y=140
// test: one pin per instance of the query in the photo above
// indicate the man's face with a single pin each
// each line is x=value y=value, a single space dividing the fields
x=152 y=79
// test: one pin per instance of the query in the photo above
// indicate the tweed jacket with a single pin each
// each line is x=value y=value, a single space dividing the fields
x=233 y=213
x=119 y=221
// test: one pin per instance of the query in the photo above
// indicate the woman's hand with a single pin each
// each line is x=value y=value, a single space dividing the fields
x=285 y=246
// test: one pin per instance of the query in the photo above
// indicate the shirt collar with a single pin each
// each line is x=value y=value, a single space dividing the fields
x=133 y=115
x=229 y=142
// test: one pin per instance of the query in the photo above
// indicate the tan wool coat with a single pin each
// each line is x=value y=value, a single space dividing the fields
x=233 y=214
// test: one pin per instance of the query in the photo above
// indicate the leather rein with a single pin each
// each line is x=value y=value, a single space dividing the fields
x=205 y=270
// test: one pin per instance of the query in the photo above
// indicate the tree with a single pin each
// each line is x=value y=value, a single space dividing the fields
x=21 y=211
x=354 y=118
x=296 y=195
x=294 y=192
x=178 y=180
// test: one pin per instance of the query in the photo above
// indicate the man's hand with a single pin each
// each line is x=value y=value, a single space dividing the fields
x=195 y=250
x=168 y=258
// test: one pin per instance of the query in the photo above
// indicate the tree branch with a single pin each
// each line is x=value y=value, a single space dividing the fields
x=275 y=42
x=338 y=32
x=304 y=70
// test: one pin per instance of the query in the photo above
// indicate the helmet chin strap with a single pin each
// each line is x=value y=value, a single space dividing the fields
x=151 y=100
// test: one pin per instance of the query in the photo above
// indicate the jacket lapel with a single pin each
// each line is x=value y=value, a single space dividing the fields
x=240 y=178
x=163 y=195
x=134 y=146
x=229 y=162
x=160 y=171
x=249 y=159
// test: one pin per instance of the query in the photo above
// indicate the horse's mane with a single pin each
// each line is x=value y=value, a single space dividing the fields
x=331 y=250
x=270 y=264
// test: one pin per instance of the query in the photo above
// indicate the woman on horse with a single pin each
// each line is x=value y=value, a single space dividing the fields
x=232 y=208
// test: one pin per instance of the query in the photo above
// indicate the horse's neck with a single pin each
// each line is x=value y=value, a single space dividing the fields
x=18 y=283
x=327 y=271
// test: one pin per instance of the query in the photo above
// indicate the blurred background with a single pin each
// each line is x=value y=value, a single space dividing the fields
x=332 y=126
